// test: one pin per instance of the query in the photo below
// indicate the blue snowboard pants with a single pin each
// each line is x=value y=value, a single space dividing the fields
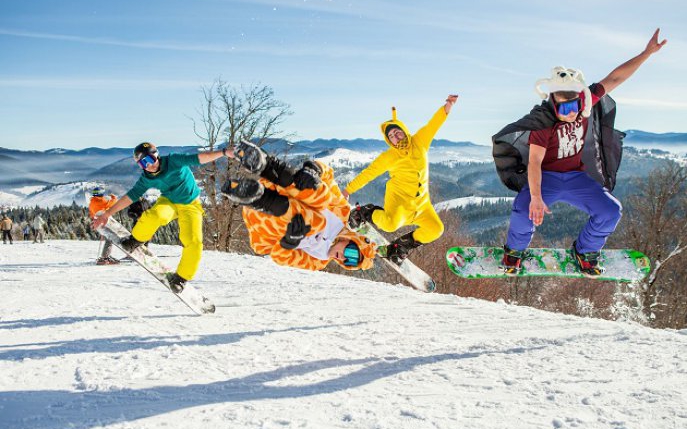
x=577 y=189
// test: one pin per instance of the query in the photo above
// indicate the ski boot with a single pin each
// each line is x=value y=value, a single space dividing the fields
x=176 y=282
x=361 y=214
x=512 y=260
x=397 y=251
x=107 y=260
x=243 y=190
x=130 y=244
x=588 y=263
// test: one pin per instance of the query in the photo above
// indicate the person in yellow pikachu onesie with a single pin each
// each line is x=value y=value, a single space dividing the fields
x=298 y=217
x=406 y=201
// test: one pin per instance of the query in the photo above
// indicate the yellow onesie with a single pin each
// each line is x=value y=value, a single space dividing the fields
x=406 y=201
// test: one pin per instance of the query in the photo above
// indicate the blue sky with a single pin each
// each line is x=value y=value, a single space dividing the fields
x=77 y=74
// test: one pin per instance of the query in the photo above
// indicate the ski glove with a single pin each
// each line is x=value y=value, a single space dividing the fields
x=308 y=177
x=295 y=232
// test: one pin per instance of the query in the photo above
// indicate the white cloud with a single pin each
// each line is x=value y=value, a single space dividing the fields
x=91 y=83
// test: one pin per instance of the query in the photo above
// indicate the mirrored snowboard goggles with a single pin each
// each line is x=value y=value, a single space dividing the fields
x=146 y=161
x=351 y=255
x=567 y=107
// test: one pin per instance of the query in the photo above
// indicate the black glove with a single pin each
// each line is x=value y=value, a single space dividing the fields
x=295 y=232
x=308 y=177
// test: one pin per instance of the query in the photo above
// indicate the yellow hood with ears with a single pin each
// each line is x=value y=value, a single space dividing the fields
x=405 y=147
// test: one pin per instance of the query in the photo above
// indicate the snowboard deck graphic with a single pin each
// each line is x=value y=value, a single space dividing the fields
x=409 y=271
x=116 y=232
x=621 y=265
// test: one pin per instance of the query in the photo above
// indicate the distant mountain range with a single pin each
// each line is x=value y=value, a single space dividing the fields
x=26 y=172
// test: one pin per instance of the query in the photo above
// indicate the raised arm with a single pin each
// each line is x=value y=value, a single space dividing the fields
x=206 y=157
x=627 y=69
x=424 y=136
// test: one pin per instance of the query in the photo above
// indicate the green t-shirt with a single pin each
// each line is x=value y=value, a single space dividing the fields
x=174 y=179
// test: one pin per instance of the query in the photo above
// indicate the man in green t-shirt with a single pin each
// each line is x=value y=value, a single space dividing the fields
x=179 y=200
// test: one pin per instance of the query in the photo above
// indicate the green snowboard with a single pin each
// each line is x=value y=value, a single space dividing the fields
x=621 y=265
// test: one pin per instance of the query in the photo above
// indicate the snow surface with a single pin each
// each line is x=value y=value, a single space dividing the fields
x=466 y=201
x=84 y=346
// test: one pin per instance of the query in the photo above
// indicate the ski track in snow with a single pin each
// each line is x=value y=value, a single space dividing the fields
x=86 y=346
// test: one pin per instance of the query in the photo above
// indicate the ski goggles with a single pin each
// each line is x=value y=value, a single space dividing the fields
x=567 y=107
x=146 y=161
x=351 y=255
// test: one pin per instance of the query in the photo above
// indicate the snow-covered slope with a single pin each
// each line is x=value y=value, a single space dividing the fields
x=85 y=346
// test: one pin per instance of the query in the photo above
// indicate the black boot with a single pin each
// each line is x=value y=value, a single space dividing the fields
x=257 y=161
x=130 y=244
x=250 y=192
x=251 y=157
x=588 y=263
x=176 y=282
x=309 y=176
x=397 y=251
x=243 y=190
x=511 y=261
x=361 y=214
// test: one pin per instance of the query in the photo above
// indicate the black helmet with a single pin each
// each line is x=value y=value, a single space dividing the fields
x=144 y=149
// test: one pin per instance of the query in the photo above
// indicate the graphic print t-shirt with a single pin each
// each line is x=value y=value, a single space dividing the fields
x=564 y=141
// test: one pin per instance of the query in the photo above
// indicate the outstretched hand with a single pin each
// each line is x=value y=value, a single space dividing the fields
x=450 y=101
x=654 y=45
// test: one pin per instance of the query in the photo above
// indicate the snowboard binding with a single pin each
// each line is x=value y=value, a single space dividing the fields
x=362 y=214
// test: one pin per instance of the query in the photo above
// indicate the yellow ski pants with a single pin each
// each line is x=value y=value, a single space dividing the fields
x=190 y=218
x=398 y=212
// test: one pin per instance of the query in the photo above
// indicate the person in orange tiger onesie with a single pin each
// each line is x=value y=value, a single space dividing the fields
x=298 y=217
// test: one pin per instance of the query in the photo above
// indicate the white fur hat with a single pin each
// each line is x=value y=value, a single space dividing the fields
x=563 y=79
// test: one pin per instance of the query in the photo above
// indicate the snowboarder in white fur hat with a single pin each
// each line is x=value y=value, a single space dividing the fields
x=548 y=167
x=566 y=80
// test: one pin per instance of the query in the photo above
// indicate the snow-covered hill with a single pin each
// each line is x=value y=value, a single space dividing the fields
x=346 y=158
x=85 y=346
x=466 y=201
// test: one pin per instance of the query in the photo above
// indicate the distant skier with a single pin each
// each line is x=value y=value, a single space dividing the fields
x=406 y=200
x=38 y=226
x=298 y=217
x=6 y=226
x=27 y=232
x=100 y=202
x=541 y=157
x=179 y=200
